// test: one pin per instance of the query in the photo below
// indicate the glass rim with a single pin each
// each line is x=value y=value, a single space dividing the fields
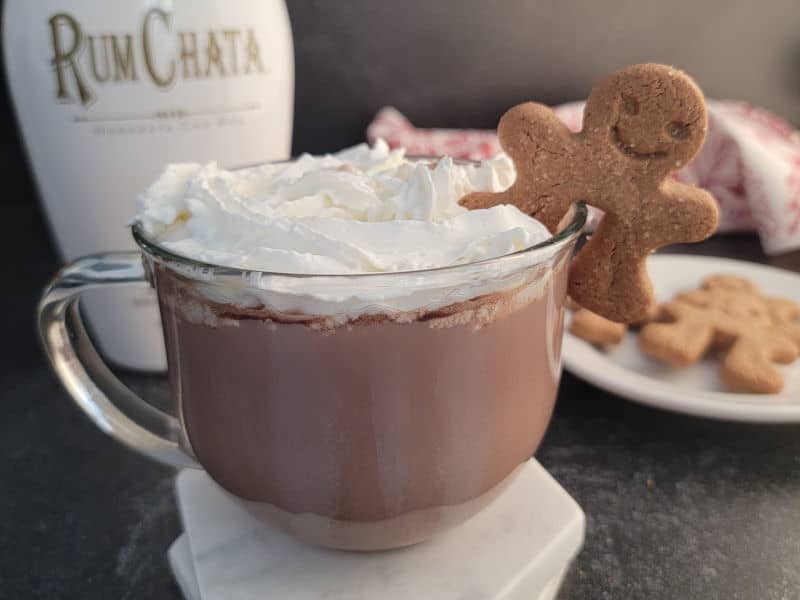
x=164 y=255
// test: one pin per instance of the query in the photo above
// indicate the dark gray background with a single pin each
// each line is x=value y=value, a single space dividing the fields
x=463 y=62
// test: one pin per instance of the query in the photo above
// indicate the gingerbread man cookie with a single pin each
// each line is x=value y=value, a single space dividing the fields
x=640 y=125
x=728 y=313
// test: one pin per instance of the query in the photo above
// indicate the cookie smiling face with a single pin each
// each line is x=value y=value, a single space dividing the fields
x=648 y=117
x=632 y=133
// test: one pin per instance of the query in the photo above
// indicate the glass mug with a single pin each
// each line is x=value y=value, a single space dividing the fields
x=358 y=432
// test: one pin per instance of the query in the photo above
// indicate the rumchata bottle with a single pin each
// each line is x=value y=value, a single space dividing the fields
x=108 y=92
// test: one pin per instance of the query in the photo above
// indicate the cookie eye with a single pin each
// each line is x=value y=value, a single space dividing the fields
x=678 y=130
x=630 y=105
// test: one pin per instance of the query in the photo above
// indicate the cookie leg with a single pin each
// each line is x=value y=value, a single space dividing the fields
x=679 y=344
x=595 y=329
x=748 y=367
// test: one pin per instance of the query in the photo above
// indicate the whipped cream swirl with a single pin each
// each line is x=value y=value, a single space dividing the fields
x=362 y=210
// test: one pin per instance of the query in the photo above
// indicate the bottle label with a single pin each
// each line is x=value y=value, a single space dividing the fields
x=142 y=68
x=84 y=62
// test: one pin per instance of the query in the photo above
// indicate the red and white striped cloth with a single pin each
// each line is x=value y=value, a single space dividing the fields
x=750 y=162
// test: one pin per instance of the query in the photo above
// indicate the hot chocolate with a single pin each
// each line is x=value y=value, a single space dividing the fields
x=410 y=419
x=396 y=371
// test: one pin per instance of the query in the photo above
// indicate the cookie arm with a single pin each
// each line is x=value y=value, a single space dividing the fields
x=542 y=149
x=748 y=367
x=686 y=213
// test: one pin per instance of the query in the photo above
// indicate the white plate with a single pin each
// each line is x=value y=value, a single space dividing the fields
x=695 y=390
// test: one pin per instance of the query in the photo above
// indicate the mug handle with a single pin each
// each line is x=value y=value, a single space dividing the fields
x=111 y=405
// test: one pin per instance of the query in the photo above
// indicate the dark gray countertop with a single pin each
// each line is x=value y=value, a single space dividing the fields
x=677 y=507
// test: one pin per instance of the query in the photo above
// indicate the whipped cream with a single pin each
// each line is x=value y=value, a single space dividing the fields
x=364 y=210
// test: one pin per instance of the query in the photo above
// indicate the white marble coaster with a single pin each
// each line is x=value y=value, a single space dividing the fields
x=180 y=561
x=517 y=547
